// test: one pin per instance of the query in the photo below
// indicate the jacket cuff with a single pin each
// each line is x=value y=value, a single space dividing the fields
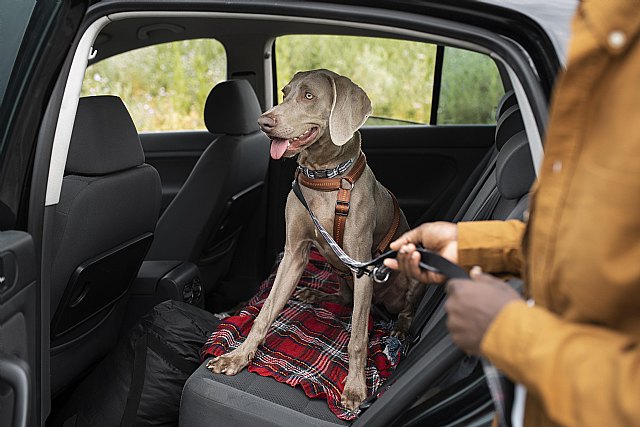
x=510 y=337
x=493 y=245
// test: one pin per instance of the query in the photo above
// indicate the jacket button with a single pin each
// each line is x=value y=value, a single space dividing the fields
x=557 y=166
x=616 y=39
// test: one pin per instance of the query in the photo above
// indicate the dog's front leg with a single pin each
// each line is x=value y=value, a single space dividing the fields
x=287 y=277
x=355 y=387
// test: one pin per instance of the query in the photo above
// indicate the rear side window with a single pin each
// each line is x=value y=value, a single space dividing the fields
x=396 y=74
x=409 y=83
x=164 y=86
x=470 y=88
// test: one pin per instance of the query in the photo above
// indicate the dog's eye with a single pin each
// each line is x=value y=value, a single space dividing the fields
x=308 y=95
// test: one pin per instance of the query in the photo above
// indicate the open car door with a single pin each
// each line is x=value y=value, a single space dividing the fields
x=35 y=38
x=18 y=336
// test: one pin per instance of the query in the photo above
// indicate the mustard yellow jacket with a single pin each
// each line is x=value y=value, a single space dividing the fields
x=578 y=350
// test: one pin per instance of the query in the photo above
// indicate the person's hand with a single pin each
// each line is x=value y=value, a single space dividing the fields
x=472 y=305
x=439 y=237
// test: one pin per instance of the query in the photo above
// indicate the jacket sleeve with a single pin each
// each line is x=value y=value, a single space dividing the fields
x=496 y=246
x=584 y=375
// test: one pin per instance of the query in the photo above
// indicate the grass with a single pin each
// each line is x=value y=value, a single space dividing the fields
x=165 y=86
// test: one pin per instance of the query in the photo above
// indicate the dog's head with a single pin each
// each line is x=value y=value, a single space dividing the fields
x=319 y=106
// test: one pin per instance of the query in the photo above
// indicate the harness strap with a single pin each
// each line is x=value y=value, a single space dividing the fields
x=386 y=240
x=343 y=185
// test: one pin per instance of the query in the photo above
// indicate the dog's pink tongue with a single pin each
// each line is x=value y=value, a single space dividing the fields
x=278 y=147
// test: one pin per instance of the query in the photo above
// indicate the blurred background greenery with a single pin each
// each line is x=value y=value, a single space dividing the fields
x=165 y=86
x=396 y=74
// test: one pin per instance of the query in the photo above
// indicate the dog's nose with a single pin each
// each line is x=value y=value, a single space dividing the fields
x=267 y=123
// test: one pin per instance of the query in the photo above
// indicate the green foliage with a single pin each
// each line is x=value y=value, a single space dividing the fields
x=470 y=88
x=396 y=74
x=165 y=86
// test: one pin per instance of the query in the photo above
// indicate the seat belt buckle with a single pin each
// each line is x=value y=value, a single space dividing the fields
x=409 y=343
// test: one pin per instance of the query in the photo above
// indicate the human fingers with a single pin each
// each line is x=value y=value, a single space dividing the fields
x=461 y=318
x=408 y=261
x=411 y=236
x=391 y=263
x=472 y=305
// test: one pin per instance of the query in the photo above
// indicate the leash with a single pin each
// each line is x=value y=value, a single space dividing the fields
x=373 y=268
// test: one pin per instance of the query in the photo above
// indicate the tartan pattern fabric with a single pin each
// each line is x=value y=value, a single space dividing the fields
x=307 y=344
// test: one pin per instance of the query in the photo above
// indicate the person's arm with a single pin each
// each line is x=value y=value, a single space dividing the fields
x=493 y=245
x=496 y=246
x=584 y=375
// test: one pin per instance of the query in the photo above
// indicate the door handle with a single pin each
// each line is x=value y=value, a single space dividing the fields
x=15 y=372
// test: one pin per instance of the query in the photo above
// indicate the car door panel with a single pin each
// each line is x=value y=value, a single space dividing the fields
x=174 y=154
x=18 y=337
x=436 y=161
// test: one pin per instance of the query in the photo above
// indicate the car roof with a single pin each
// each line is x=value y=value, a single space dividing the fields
x=554 y=16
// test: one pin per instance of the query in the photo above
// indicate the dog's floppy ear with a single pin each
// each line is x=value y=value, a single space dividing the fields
x=350 y=109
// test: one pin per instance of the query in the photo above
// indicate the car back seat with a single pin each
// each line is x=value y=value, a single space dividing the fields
x=482 y=199
x=249 y=399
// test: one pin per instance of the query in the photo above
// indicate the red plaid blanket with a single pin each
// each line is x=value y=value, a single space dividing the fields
x=307 y=344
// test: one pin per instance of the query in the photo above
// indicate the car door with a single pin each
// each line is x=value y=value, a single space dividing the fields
x=34 y=35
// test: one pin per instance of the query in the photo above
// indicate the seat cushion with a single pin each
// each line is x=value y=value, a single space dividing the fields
x=307 y=345
x=247 y=399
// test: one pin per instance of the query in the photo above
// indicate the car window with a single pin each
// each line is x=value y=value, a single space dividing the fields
x=12 y=28
x=164 y=86
x=400 y=77
x=470 y=88
x=396 y=74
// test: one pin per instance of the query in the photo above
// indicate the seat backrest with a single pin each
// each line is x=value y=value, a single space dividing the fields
x=104 y=223
x=515 y=175
x=482 y=200
x=507 y=101
x=203 y=222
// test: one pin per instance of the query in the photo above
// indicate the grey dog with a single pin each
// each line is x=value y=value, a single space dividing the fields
x=319 y=120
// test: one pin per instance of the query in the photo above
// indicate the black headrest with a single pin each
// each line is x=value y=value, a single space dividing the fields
x=232 y=108
x=104 y=138
x=507 y=101
x=508 y=125
x=514 y=168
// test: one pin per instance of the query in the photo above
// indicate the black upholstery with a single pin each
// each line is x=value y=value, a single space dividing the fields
x=484 y=200
x=103 y=226
x=509 y=123
x=203 y=222
x=514 y=167
x=509 y=181
x=248 y=399
x=104 y=138
x=507 y=101
x=231 y=108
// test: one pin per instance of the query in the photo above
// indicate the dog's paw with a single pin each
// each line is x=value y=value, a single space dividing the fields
x=354 y=393
x=399 y=333
x=230 y=363
x=401 y=327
